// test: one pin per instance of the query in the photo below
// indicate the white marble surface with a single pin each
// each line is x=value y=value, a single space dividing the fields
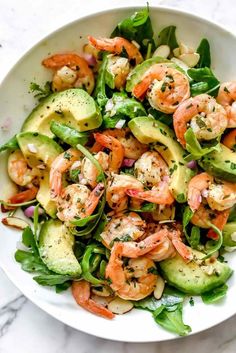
x=23 y=326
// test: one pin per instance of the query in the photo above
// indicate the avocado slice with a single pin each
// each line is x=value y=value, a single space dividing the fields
x=229 y=230
x=56 y=248
x=148 y=130
x=38 y=149
x=221 y=164
x=43 y=196
x=192 y=277
x=74 y=107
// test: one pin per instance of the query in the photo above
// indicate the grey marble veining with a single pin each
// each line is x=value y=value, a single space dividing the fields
x=23 y=326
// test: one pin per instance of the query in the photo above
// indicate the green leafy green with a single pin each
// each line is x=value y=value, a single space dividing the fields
x=215 y=294
x=12 y=144
x=100 y=94
x=31 y=261
x=146 y=207
x=137 y=27
x=88 y=267
x=84 y=221
x=171 y=318
x=69 y=135
x=216 y=245
x=205 y=54
x=197 y=150
x=41 y=92
x=167 y=37
x=194 y=237
x=167 y=311
x=121 y=107
x=203 y=81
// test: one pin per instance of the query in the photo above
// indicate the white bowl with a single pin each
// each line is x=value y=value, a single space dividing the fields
x=16 y=103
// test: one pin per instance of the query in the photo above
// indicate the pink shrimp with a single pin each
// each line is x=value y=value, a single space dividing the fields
x=227 y=98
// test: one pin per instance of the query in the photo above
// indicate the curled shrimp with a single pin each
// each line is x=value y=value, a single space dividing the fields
x=116 y=155
x=81 y=293
x=205 y=216
x=206 y=117
x=119 y=67
x=70 y=71
x=18 y=169
x=134 y=281
x=123 y=227
x=229 y=140
x=89 y=170
x=166 y=88
x=219 y=196
x=117 y=45
x=60 y=165
x=132 y=147
x=78 y=201
x=227 y=98
x=116 y=196
x=151 y=170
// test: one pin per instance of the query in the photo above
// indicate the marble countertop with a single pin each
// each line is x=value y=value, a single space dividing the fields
x=23 y=326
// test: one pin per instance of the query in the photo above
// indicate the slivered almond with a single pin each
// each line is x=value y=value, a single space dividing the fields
x=163 y=51
x=15 y=222
x=190 y=59
x=158 y=291
x=120 y=306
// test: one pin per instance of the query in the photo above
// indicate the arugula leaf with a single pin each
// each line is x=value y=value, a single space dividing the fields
x=69 y=135
x=197 y=150
x=171 y=318
x=88 y=267
x=147 y=207
x=36 y=221
x=100 y=227
x=100 y=88
x=205 y=55
x=137 y=27
x=12 y=144
x=215 y=294
x=195 y=237
x=216 y=244
x=31 y=262
x=83 y=221
x=204 y=81
x=121 y=107
x=41 y=92
x=167 y=37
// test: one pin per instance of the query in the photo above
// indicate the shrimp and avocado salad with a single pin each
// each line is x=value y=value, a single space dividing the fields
x=126 y=172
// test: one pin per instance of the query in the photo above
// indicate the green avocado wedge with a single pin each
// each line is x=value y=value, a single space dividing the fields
x=38 y=149
x=221 y=164
x=74 y=107
x=148 y=130
x=56 y=248
x=192 y=277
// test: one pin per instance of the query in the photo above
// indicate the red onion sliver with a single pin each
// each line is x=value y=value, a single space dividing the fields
x=192 y=164
x=91 y=60
x=29 y=211
x=128 y=162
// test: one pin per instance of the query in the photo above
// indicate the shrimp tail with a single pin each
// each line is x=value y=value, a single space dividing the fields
x=26 y=195
x=81 y=293
x=93 y=199
x=160 y=195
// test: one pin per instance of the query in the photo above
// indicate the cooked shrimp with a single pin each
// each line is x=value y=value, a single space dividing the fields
x=117 y=45
x=229 y=140
x=151 y=170
x=167 y=88
x=70 y=71
x=116 y=155
x=77 y=200
x=59 y=166
x=89 y=170
x=18 y=169
x=119 y=67
x=132 y=147
x=204 y=217
x=206 y=117
x=134 y=281
x=23 y=196
x=227 y=98
x=219 y=196
x=123 y=227
x=116 y=195
x=81 y=293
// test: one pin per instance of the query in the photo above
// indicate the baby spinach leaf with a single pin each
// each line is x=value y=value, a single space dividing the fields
x=120 y=106
x=203 y=81
x=197 y=150
x=41 y=92
x=205 y=55
x=52 y=279
x=171 y=318
x=215 y=294
x=12 y=144
x=69 y=135
x=167 y=37
x=137 y=27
